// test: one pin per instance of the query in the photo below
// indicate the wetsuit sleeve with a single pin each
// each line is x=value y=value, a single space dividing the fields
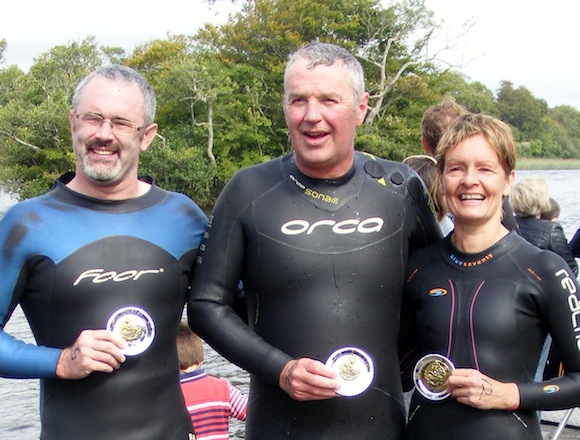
x=427 y=231
x=561 y=296
x=408 y=342
x=427 y=228
x=215 y=282
x=18 y=359
x=560 y=245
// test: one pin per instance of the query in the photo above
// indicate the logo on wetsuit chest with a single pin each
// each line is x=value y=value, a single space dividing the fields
x=350 y=226
x=98 y=276
x=313 y=193
x=438 y=291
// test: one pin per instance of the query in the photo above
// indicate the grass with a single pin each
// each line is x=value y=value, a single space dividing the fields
x=530 y=163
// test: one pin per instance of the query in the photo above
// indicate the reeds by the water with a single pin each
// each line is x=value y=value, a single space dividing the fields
x=532 y=163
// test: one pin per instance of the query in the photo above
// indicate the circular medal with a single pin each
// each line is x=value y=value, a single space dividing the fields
x=135 y=326
x=430 y=376
x=355 y=370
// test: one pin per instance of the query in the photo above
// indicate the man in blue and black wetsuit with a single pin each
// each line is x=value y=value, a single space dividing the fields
x=320 y=239
x=101 y=267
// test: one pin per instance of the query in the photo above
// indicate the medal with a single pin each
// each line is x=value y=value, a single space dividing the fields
x=135 y=326
x=355 y=370
x=430 y=376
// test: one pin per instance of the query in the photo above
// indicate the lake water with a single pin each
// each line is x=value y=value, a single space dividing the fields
x=19 y=398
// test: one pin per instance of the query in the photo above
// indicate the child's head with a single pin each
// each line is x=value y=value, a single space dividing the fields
x=189 y=348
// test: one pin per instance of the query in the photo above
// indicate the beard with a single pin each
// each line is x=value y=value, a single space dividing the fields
x=101 y=171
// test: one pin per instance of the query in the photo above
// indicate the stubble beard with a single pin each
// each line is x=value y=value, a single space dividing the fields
x=100 y=171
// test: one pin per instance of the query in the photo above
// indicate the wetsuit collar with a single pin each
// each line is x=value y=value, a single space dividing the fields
x=462 y=259
x=64 y=194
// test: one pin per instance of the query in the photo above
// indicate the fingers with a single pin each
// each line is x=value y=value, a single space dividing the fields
x=471 y=387
x=308 y=379
x=93 y=351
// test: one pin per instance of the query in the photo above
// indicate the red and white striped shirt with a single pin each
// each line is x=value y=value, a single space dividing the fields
x=211 y=401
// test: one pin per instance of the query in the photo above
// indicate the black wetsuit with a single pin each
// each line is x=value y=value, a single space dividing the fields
x=322 y=265
x=71 y=261
x=491 y=311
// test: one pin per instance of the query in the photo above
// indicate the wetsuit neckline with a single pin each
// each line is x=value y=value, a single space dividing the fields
x=64 y=194
x=467 y=260
x=293 y=168
x=326 y=194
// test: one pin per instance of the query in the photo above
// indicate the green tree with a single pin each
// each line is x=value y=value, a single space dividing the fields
x=474 y=96
x=564 y=123
x=519 y=108
x=34 y=127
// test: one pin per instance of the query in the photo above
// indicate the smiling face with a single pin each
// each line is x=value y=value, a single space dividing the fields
x=322 y=116
x=105 y=157
x=474 y=182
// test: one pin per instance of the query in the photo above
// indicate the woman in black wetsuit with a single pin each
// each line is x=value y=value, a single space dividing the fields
x=485 y=298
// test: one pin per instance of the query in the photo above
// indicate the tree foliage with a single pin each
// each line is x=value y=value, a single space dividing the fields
x=220 y=93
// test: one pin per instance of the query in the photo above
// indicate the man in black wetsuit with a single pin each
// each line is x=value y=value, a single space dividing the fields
x=101 y=267
x=320 y=239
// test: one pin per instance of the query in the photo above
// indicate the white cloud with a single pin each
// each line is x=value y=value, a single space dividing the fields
x=531 y=44
x=32 y=27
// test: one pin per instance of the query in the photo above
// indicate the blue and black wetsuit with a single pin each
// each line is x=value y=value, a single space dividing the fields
x=322 y=265
x=71 y=261
x=490 y=311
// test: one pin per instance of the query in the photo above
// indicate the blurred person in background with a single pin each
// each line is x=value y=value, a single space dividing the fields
x=530 y=198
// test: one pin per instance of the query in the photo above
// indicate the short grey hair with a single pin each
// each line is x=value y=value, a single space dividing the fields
x=324 y=53
x=530 y=196
x=123 y=75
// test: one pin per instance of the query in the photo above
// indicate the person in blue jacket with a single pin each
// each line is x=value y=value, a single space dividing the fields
x=101 y=265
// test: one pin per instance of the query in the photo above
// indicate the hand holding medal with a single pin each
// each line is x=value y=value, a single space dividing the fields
x=355 y=370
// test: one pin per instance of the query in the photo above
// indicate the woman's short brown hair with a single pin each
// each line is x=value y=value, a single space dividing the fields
x=497 y=133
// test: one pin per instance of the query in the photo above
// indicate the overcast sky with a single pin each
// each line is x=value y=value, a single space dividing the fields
x=532 y=44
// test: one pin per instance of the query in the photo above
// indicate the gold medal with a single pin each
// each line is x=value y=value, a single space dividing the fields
x=350 y=367
x=355 y=370
x=430 y=376
x=135 y=326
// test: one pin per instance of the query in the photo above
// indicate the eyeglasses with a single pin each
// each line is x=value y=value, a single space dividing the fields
x=121 y=126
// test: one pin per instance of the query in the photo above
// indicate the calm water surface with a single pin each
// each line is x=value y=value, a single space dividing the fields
x=19 y=398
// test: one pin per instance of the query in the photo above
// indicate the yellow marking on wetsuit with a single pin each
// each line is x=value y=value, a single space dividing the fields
x=381 y=180
x=320 y=196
